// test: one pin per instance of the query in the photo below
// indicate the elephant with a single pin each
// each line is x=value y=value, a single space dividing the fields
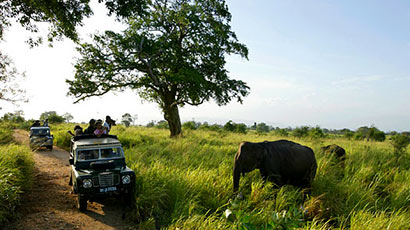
x=282 y=162
x=334 y=150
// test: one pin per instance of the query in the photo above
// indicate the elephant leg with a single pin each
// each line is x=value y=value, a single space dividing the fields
x=276 y=178
x=273 y=177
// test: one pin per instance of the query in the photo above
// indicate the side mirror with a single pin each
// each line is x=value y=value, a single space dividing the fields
x=71 y=161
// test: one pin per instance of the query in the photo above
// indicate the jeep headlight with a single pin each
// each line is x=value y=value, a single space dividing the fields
x=126 y=179
x=87 y=183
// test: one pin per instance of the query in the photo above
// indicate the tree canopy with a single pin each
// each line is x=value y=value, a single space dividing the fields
x=127 y=119
x=172 y=54
x=67 y=117
x=9 y=88
x=52 y=117
x=63 y=17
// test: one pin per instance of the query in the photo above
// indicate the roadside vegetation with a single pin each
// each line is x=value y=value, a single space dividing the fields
x=16 y=167
x=186 y=183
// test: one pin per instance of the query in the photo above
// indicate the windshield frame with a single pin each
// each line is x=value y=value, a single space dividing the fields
x=99 y=153
x=35 y=132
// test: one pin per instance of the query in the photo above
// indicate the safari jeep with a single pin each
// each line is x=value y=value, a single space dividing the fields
x=41 y=137
x=98 y=169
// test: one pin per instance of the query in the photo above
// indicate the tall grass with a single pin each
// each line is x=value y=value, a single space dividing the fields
x=16 y=166
x=6 y=133
x=186 y=183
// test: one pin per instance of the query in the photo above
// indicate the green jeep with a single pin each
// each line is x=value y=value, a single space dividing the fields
x=98 y=169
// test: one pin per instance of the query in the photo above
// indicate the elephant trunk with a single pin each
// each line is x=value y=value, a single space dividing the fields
x=236 y=177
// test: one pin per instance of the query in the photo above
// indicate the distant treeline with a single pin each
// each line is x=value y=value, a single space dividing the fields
x=363 y=133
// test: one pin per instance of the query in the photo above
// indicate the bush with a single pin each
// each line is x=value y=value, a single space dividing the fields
x=371 y=133
x=262 y=128
x=281 y=132
x=400 y=143
x=300 y=131
x=348 y=134
x=316 y=132
x=214 y=127
x=379 y=136
x=162 y=125
x=191 y=125
x=235 y=128
x=16 y=117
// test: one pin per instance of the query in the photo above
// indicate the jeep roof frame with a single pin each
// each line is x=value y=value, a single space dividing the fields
x=87 y=141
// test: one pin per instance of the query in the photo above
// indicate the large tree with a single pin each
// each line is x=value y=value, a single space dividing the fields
x=172 y=54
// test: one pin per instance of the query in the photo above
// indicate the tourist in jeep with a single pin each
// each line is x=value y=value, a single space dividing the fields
x=108 y=123
x=91 y=127
x=36 y=124
x=100 y=130
x=78 y=130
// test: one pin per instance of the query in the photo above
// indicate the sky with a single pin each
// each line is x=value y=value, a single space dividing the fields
x=327 y=63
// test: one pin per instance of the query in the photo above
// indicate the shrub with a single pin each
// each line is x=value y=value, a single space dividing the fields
x=400 y=143
x=235 y=128
x=191 y=125
x=214 y=127
x=301 y=131
x=379 y=136
x=262 y=128
x=241 y=128
x=281 y=132
x=229 y=126
x=348 y=134
x=316 y=132
x=371 y=133
x=162 y=125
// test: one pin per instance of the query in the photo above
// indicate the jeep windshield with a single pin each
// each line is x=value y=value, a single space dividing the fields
x=99 y=153
x=40 y=132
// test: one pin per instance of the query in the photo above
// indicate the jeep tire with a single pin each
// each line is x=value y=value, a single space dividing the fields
x=50 y=148
x=81 y=203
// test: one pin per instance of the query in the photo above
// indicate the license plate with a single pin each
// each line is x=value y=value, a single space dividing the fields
x=109 y=189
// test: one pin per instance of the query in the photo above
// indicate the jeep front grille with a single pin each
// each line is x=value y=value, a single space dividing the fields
x=106 y=179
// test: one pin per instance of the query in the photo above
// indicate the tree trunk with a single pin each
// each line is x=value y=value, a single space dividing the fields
x=171 y=115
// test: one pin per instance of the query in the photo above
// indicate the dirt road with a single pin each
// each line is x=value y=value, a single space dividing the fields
x=50 y=204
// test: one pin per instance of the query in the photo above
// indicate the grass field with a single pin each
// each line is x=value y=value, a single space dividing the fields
x=186 y=183
x=16 y=166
